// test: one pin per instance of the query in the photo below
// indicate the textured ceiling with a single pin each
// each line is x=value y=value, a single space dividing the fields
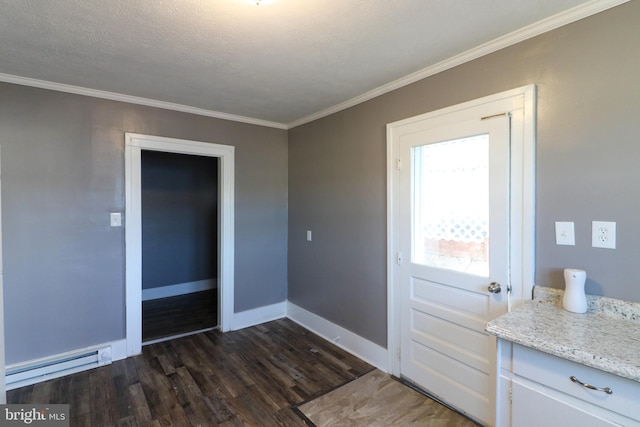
x=279 y=62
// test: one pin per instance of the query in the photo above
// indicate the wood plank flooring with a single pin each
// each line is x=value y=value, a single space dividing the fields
x=378 y=400
x=180 y=314
x=253 y=377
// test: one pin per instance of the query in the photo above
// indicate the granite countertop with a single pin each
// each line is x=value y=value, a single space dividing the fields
x=607 y=337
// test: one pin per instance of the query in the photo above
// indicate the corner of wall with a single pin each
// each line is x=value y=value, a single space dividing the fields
x=360 y=347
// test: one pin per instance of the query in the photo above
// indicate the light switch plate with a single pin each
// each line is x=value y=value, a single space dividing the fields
x=116 y=219
x=308 y=235
x=603 y=234
x=565 y=234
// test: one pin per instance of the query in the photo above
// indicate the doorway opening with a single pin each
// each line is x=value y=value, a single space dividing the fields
x=151 y=262
x=179 y=244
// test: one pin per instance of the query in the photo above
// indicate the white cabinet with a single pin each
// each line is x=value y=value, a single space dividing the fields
x=535 y=406
x=542 y=393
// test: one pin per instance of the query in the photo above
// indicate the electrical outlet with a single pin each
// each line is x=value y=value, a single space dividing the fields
x=565 y=234
x=603 y=234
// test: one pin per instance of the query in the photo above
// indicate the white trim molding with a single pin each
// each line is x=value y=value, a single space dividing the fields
x=256 y=316
x=556 y=21
x=113 y=96
x=134 y=144
x=179 y=289
x=109 y=352
x=575 y=14
x=360 y=347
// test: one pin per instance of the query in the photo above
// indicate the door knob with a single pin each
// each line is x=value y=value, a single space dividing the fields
x=494 y=288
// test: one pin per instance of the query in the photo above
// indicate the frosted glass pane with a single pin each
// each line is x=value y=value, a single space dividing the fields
x=451 y=205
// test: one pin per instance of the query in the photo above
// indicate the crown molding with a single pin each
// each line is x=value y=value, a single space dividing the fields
x=571 y=15
x=579 y=12
x=113 y=96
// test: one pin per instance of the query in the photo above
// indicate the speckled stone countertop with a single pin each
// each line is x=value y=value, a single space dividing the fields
x=607 y=337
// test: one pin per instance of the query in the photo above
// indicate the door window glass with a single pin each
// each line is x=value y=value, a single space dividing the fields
x=451 y=205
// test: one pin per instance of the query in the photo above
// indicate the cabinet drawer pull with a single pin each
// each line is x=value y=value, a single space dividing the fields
x=589 y=386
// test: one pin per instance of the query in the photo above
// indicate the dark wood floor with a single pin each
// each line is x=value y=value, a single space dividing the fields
x=253 y=377
x=177 y=315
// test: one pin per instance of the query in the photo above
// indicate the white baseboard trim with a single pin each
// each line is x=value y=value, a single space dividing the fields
x=117 y=350
x=360 y=347
x=256 y=316
x=47 y=368
x=179 y=289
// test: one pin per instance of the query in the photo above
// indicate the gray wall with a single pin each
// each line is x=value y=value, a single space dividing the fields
x=63 y=172
x=179 y=218
x=63 y=159
x=588 y=157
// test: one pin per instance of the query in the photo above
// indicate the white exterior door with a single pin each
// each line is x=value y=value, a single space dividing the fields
x=452 y=232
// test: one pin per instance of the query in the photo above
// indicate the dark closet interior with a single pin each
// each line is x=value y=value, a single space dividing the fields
x=179 y=244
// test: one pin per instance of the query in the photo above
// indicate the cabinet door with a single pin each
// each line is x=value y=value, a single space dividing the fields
x=533 y=408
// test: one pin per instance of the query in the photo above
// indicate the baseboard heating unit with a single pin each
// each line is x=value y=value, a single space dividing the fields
x=24 y=374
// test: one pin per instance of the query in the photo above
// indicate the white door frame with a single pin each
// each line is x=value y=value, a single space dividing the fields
x=522 y=208
x=134 y=144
